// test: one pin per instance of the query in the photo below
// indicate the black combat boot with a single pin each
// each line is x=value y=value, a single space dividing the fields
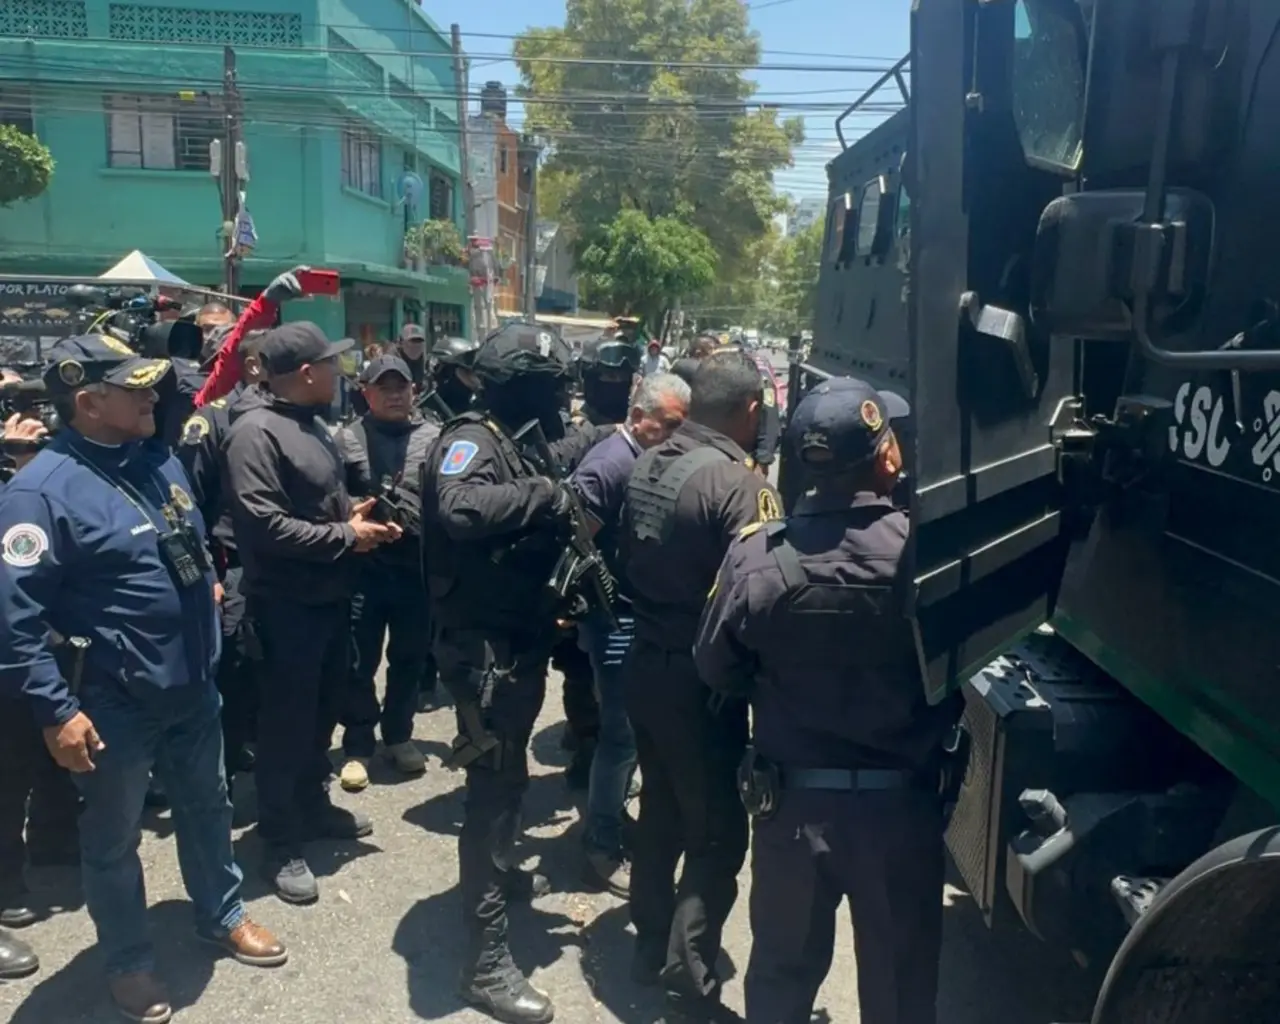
x=493 y=984
x=17 y=959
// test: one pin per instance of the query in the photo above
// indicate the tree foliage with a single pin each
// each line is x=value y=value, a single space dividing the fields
x=641 y=266
x=796 y=265
x=26 y=166
x=667 y=141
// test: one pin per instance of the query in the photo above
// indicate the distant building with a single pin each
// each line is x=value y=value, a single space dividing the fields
x=501 y=197
x=341 y=102
x=807 y=212
x=557 y=276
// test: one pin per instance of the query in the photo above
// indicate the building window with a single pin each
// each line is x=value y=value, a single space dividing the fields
x=15 y=109
x=362 y=161
x=502 y=158
x=159 y=133
x=440 y=197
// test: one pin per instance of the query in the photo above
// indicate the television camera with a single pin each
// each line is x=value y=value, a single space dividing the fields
x=27 y=397
x=124 y=313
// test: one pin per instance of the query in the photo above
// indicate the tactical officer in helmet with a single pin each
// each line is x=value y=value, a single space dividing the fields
x=492 y=522
x=845 y=779
x=451 y=384
x=607 y=369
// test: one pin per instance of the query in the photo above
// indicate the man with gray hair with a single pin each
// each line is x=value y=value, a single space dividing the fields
x=657 y=409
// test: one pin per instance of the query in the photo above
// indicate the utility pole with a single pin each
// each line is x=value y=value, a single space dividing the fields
x=529 y=172
x=232 y=165
x=461 y=80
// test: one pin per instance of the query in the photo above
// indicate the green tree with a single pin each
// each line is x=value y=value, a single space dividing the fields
x=26 y=165
x=641 y=266
x=796 y=265
x=641 y=134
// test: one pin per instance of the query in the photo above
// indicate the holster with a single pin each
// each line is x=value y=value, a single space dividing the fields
x=474 y=739
x=759 y=785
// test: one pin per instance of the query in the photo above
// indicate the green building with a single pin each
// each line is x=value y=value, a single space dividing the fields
x=344 y=102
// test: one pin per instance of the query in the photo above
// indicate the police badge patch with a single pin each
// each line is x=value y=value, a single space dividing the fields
x=181 y=498
x=458 y=458
x=23 y=545
x=195 y=430
x=71 y=373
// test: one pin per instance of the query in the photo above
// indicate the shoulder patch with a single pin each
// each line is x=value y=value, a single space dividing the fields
x=767 y=505
x=23 y=544
x=181 y=498
x=458 y=457
x=749 y=529
x=195 y=430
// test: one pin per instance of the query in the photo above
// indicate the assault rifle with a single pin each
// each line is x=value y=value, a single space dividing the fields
x=580 y=579
x=392 y=504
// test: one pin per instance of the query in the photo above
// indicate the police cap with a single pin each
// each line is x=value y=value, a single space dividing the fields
x=99 y=358
x=518 y=349
x=454 y=351
x=378 y=368
x=289 y=347
x=841 y=422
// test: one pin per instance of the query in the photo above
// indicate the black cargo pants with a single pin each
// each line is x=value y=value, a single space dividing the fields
x=581 y=709
x=36 y=797
x=306 y=660
x=390 y=605
x=883 y=851
x=497 y=782
x=689 y=805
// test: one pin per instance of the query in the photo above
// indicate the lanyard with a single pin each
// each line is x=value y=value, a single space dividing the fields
x=128 y=492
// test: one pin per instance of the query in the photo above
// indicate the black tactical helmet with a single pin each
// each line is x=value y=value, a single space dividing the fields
x=612 y=356
x=451 y=350
x=518 y=349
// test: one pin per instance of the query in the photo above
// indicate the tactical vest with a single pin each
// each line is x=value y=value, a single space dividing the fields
x=418 y=444
x=651 y=501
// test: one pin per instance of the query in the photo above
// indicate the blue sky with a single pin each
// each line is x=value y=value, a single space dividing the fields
x=824 y=32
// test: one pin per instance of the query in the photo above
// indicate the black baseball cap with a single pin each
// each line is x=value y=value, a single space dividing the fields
x=289 y=347
x=376 y=369
x=841 y=422
x=412 y=332
x=100 y=359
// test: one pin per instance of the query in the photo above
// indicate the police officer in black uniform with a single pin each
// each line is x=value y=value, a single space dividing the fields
x=492 y=522
x=451 y=383
x=297 y=530
x=385 y=452
x=687 y=499
x=844 y=777
x=200 y=451
x=769 y=432
x=606 y=370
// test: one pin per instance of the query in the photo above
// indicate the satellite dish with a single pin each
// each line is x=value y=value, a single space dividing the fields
x=409 y=188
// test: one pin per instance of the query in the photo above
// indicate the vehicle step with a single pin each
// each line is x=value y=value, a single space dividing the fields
x=1135 y=894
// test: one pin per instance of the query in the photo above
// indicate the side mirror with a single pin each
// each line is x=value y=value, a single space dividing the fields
x=876 y=213
x=1083 y=265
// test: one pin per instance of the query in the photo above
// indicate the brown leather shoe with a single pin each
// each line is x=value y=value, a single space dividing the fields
x=141 y=998
x=252 y=944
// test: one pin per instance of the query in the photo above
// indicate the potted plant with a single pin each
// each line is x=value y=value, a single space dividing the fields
x=436 y=242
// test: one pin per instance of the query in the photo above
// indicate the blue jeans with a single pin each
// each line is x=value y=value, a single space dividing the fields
x=615 y=755
x=178 y=732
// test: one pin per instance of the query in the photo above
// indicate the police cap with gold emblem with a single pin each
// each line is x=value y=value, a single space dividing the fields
x=95 y=358
x=841 y=422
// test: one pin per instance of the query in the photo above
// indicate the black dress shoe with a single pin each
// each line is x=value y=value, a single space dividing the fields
x=15 y=915
x=17 y=959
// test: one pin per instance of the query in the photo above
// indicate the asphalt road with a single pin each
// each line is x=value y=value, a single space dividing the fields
x=382 y=944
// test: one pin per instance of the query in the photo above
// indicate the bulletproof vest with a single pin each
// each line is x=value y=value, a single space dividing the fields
x=846 y=693
x=651 y=501
x=395 y=455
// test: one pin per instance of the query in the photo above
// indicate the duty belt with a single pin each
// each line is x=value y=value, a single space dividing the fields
x=846 y=780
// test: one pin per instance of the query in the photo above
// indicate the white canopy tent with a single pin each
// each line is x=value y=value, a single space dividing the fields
x=140 y=269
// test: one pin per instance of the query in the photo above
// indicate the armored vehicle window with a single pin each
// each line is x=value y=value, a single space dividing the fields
x=1048 y=84
x=837 y=218
x=868 y=217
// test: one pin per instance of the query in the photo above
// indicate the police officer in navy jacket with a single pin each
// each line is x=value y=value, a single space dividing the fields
x=102 y=542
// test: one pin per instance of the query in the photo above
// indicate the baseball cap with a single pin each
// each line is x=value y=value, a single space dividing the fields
x=412 y=332
x=289 y=347
x=375 y=369
x=841 y=422
x=99 y=358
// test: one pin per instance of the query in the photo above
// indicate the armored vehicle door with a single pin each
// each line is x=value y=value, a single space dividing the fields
x=997 y=103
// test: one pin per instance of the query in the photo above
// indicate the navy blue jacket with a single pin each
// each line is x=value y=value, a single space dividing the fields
x=82 y=559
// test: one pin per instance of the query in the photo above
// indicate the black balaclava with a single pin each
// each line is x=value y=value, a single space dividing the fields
x=607 y=399
x=529 y=396
x=452 y=391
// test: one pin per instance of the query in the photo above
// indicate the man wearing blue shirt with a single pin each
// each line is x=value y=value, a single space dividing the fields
x=658 y=408
x=101 y=542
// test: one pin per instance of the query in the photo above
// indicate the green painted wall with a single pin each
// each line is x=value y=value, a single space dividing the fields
x=305 y=68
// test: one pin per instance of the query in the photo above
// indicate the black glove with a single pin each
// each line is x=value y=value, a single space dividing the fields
x=285 y=287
